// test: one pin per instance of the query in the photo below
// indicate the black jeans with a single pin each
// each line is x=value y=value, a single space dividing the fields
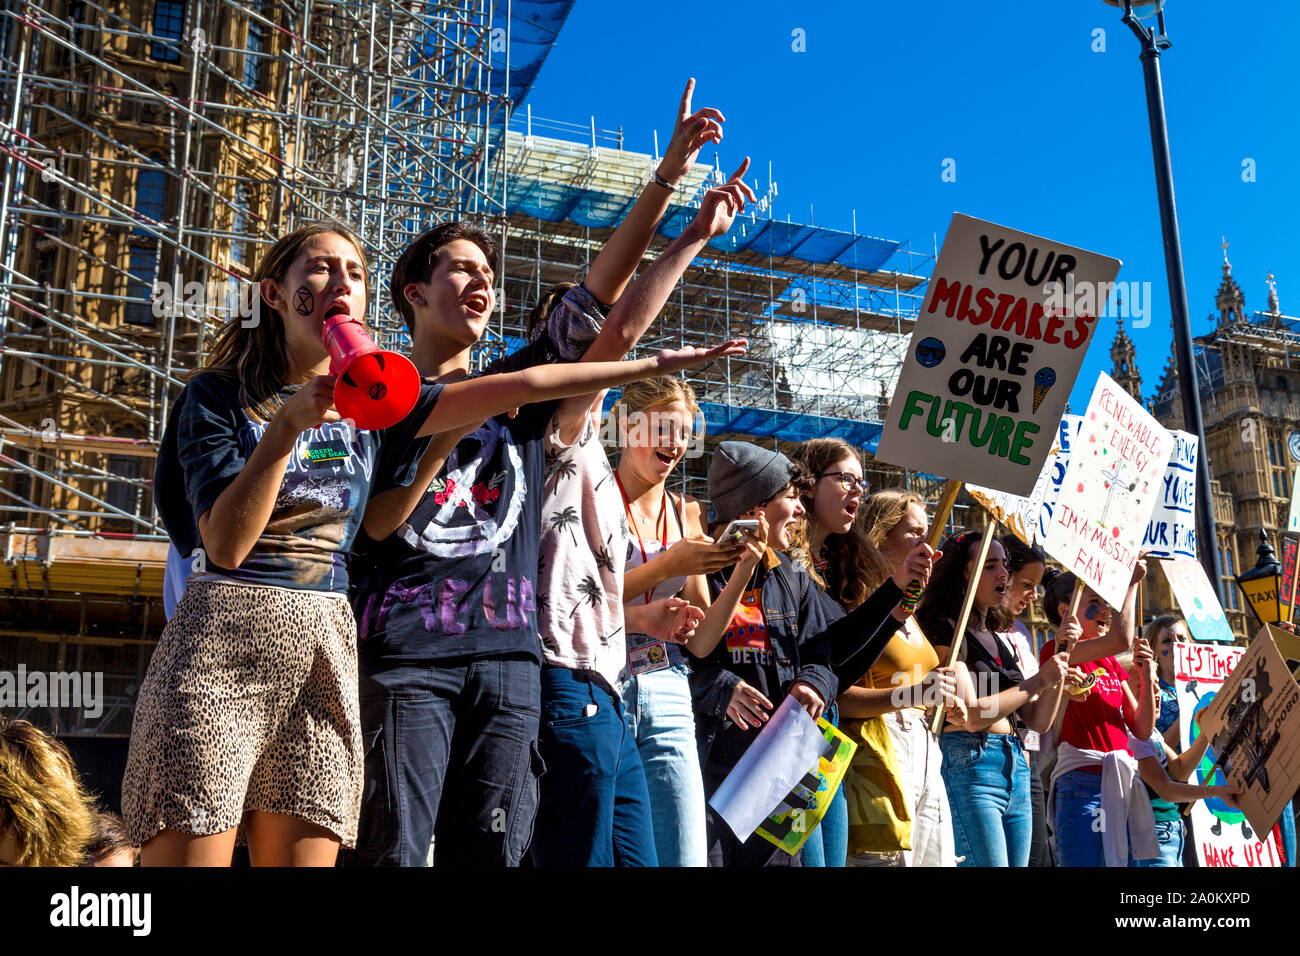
x=450 y=750
x=1040 y=851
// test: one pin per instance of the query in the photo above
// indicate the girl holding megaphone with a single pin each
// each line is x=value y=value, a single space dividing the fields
x=248 y=715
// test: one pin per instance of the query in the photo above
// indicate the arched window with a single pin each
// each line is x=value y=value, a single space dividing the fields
x=254 y=47
x=239 y=225
x=169 y=24
x=151 y=194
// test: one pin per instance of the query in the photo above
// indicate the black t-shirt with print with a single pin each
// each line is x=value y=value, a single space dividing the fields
x=458 y=578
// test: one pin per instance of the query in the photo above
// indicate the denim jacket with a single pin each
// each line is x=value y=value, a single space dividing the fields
x=795 y=616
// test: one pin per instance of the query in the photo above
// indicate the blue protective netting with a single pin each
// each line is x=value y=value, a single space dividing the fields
x=552 y=202
x=722 y=419
x=534 y=25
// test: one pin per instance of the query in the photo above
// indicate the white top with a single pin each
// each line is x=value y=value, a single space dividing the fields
x=580 y=582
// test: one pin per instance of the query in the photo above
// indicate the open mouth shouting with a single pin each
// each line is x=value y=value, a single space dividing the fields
x=338 y=308
x=477 y=301
x=665 y=459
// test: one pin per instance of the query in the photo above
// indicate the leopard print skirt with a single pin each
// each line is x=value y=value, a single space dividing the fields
x=250 y=703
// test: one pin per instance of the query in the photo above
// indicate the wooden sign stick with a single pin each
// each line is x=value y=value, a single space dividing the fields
x=912 y=596
x=966 y=607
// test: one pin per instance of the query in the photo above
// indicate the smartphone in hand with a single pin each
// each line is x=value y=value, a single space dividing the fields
x=733 y=534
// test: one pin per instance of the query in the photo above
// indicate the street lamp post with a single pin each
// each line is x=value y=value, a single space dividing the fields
x=1262 y=584
x=1153 y=40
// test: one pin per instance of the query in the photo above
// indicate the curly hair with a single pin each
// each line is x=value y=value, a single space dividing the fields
x=942 y=600
x=42 y=800
x=849 y=566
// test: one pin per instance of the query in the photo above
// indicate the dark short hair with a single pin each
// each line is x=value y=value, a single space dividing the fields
x=110 y=837
x=418 y=260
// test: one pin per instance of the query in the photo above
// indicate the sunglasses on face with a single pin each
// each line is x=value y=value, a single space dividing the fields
x=848 y=480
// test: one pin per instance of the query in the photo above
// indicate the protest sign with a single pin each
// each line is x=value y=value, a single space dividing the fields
x=1289 y=549
x=1254 y=728
x=789 y=743
x=994 y=354
x=805 y=805
x=1171 y=531
x=1110 y=488
x=1028 y=517
x=1221 y=834
x=1197 y=600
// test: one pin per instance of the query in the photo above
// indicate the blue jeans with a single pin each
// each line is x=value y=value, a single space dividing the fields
x=988 y=789
x=828 y=844
x=660 y=718
x=1169 y=835
x=1076 y=820
x=594 y=808
x=452 y=747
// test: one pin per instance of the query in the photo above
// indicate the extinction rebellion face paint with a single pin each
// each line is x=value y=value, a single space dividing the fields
x=304 y=303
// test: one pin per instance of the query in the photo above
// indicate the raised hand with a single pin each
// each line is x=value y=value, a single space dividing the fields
x=690 y=133
x=310 y=405
x=917 y=566
x=721 y=205
x=1068 y=634
x=1143 y=656
x=675 y=360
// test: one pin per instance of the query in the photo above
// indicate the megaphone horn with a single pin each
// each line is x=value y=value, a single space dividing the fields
x=376 y=388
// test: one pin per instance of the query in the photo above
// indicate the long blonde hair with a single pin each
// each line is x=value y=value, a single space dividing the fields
x=880 y=514
x=41 y=797
x=255 y=358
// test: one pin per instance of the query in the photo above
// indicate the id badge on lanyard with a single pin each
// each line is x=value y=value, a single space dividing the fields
x=647 y=658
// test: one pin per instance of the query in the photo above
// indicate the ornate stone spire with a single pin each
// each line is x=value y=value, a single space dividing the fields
x=1231 y=302
x=1272 y=296
x=1123 y=356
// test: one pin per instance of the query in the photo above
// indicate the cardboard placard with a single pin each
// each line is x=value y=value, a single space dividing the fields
x=1254 y=729
x=803 y=808
x=1111 y=486
x=1197 y=600
x=1289 y=548
x=994 y=354
x=1221 y=833
x=1028 y=517
x=1171 y=530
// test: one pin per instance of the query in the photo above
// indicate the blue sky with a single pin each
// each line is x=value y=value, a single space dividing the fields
x=1047 y=135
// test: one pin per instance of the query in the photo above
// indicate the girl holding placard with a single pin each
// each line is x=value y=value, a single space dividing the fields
x=1096 y=725
x=895 y=772
x=985 y=766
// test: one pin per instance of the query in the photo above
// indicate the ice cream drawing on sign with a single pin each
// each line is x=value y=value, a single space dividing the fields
x=995 y=352
x=1111 y=486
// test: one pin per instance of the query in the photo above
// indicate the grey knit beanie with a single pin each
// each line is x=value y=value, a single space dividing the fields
x=742 y=476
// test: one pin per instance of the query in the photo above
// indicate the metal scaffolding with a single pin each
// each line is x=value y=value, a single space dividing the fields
x=151 y=149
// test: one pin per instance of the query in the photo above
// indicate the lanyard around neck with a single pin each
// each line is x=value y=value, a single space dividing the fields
x=663 y=541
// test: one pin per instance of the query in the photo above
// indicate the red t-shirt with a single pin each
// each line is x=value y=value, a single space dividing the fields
x=1098 y=722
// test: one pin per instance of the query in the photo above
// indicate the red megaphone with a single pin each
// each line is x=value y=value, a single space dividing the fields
x=376 y=388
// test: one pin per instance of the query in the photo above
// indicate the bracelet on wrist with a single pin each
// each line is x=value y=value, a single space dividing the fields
x=660 y=181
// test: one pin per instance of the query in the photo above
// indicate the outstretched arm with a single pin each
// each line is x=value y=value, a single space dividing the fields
x=617 y=261
x=638 y=309
x=475 y=400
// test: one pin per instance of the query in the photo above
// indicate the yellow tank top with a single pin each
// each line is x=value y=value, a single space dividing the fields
x=911 y=661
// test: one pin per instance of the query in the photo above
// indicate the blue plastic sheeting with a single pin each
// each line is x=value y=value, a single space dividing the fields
x=771 y=237
x=766 y=237
x=722 y=419
x=534 y=25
